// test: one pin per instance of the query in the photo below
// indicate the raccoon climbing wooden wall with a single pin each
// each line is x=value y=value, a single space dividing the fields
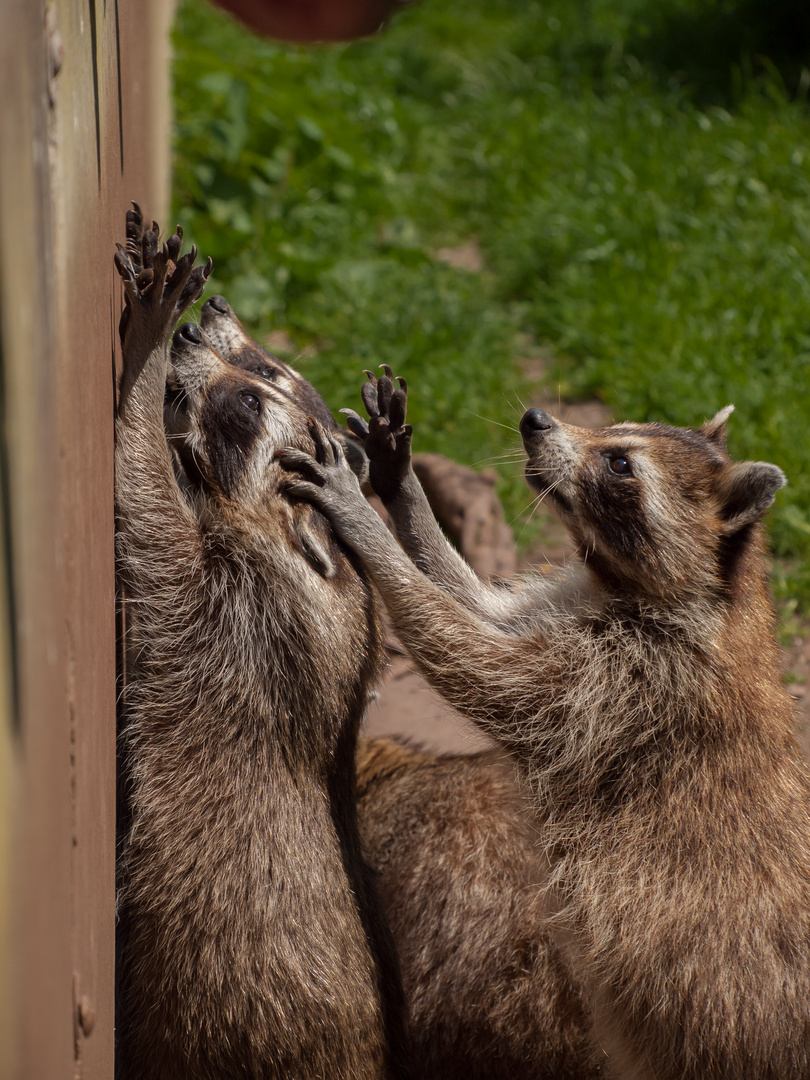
x=85 y=90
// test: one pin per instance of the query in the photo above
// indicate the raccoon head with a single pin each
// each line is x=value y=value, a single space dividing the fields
x=226 y=424
x=233 y=343
x=656 y=509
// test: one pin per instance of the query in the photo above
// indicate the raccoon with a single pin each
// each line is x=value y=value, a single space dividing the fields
x=460 y=872
x=638 y=690
x=251 y=941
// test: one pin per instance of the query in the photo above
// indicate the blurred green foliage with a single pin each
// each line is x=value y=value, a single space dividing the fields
x=642 y=214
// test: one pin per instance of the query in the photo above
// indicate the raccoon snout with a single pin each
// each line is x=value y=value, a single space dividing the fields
x=534 y=421
x=191 y=333
x=218 y=304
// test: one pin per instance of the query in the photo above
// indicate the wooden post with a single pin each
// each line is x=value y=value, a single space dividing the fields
x=85 y=129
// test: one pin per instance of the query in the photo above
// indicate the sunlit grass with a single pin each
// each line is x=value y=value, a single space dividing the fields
x=655 y=241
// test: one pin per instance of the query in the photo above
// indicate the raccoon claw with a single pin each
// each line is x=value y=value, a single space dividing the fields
x=134 y=230
x=327 y=455
x=157 y=279
x=195 y=286
x=385 y=390
x=355 y=423
x=398 y=407
x=174 y=243
x=150 y=247
x=293 y=460
x=123 y=264
x=368 y=392
x=327 y=450
x=160 y=268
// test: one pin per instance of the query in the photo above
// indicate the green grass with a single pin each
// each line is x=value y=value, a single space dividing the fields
x=643 y=214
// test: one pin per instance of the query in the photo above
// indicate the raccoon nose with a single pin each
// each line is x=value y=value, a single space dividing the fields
x=218 y=304
x=534 y=421
x=189 y=331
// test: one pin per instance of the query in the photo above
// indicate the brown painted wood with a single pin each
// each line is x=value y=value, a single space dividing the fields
x=40 y=967
x=85 y=90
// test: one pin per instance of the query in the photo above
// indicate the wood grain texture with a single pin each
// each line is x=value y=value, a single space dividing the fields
x=87 y=130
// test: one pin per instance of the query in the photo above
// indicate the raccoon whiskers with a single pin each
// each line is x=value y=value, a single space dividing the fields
x=532 y=507
x=489 y=420
x=508 y=458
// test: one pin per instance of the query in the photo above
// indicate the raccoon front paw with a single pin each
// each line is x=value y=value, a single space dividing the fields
x=326 y=480
x=386 y=437
x=159 y=284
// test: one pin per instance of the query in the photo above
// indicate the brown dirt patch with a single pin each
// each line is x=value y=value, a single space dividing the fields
x=466 y=256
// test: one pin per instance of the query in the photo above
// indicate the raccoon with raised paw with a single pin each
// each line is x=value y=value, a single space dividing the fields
x=251 y=941
x=640 y=694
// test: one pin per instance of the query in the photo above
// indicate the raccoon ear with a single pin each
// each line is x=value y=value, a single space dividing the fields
x=747 y=489
x=715 y=429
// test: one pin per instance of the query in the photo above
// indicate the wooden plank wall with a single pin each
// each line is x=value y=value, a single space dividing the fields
x=85 y=128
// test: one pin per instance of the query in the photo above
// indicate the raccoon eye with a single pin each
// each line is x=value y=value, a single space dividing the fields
x=620 y=466
x=250 y=402
x=265 y=372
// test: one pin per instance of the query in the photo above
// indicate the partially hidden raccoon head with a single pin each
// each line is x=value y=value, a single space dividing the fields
x=233 y=343
x=226 y=424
